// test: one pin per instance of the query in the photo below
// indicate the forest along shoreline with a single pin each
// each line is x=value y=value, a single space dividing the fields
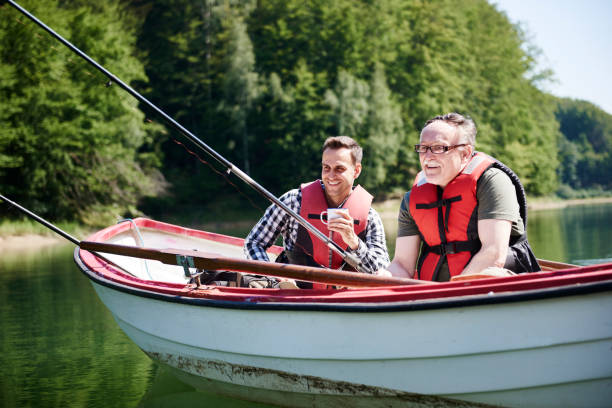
x=388 y=211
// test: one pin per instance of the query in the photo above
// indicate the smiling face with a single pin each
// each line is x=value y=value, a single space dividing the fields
x=338 y=172
x=441 y=169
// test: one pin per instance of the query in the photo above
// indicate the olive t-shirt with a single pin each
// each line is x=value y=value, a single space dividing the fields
x=496 y=200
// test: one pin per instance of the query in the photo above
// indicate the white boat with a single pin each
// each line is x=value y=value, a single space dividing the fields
x=532 y=340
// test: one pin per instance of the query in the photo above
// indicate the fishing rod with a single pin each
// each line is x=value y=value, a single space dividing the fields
x=206 y=261
x=350 y=259
x=42 y=221
x=56 y=230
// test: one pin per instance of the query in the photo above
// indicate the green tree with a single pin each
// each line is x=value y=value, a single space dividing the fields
x=264 y=83
x=240 y=84
x=436 y=58
x=586 y=148
x=385 y=136
x=368 y=113
x=349 y=103
x=469 y=59
x=201 y=74
x=72 y=146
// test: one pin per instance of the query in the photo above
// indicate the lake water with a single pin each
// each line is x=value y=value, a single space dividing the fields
x=60 y=347
x=579 y=234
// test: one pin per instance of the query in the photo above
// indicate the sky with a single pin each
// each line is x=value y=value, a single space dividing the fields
x=575 y=37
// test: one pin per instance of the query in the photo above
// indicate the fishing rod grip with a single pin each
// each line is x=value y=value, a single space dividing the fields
x=352 y=260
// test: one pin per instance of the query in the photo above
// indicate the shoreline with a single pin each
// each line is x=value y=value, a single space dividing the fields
x=390 y=207
x=387 y=209
x=535 y=205
x=17 y=243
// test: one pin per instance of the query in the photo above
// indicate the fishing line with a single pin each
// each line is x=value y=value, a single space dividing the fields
x=306 y=251
x=222 y=174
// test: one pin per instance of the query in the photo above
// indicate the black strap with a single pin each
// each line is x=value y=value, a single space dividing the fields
x=455 y=247
x=443 y=249
x=440 y=203
x=445 y=202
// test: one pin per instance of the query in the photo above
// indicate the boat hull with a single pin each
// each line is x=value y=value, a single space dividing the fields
x=510 y=355
x=519 y=341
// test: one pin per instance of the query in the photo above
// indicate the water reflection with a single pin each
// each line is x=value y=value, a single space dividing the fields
x=166 y=391
x=578 y=234
x=59 y=346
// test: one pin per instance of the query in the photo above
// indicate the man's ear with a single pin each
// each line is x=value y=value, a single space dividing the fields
x=467 y=152
x=357 y=170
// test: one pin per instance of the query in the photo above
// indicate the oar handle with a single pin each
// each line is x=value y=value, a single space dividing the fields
x=203 y=260
x=553 y=265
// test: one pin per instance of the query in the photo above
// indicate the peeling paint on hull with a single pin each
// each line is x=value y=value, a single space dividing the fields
x=292 y=390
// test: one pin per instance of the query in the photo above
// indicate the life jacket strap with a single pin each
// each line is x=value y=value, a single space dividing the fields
x=445 y=202
x=455 y=247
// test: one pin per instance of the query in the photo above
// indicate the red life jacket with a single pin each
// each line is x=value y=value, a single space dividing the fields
x=313 y=204
x=447 y=219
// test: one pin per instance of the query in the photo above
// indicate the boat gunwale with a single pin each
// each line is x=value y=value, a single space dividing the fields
x=119 y=228
x=258 y=299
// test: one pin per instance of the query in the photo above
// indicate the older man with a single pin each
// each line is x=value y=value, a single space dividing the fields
x=466 y=211
x=359 y=229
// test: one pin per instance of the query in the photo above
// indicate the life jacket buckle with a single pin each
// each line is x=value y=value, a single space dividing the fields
x=448 y=248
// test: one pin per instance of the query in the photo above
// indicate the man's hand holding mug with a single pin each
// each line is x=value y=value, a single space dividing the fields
x=339 y=220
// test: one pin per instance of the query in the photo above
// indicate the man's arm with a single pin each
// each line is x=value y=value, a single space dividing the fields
x=407 y=243
x=406 y=254
x=373 y=252
x=264 y=233
x=261 y=237
x=494 y=236
x=498 y=208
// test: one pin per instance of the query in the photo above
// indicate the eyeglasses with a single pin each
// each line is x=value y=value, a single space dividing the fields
x=435 y=149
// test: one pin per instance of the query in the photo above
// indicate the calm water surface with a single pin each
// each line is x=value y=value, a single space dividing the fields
x=60 y=347
x=579 y=234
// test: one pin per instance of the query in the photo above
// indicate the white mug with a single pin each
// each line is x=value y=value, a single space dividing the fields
x=332 y=214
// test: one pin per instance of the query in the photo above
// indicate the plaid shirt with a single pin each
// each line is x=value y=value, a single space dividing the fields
x=372 y=253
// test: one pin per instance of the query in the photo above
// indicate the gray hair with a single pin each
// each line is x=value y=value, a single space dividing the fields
x=464 y=124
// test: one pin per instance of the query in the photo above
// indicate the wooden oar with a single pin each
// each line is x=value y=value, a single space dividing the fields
x=499 y=272
x=203 y=260
x=553 y=266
